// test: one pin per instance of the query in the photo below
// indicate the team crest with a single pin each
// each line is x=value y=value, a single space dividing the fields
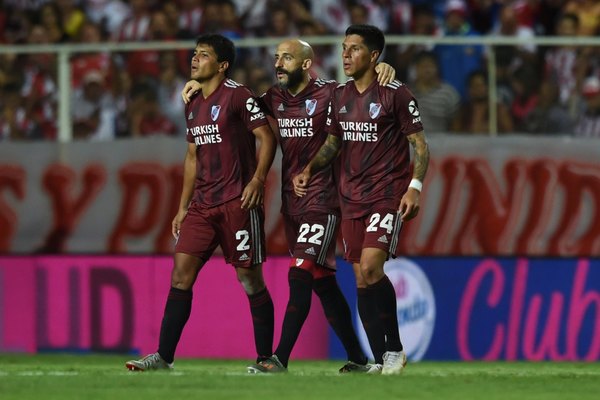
x=214 y=112
x=311 y=105
x=374 y=110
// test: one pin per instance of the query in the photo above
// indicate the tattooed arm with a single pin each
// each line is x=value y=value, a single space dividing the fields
x=421 y=161
x=409 y=204
x=326 y=154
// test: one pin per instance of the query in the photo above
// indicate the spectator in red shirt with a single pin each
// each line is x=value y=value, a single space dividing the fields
x=82 y=63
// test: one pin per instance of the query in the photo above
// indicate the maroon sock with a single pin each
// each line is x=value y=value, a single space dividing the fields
x=339 y=317
x=261 y=308
x=367 y=310
x=298 y=306
x=385 y=296
x=177 y=311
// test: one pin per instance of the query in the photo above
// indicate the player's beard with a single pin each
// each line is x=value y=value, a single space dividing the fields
x=294 y=78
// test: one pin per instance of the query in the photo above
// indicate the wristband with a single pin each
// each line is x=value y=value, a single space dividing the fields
x=416 y=184
x=259 y=179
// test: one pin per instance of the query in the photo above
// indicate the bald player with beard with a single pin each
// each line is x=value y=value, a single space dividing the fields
x=299 y=104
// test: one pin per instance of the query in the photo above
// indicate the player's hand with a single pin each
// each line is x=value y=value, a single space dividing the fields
x=253 y=194
x=409 y=205
x=300 y=182
x=190 y=88
x=385 y=73
x=176 y=224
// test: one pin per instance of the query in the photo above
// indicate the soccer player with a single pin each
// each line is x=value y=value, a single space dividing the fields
x=299 y=105
x=221 y=200
x=371 y=127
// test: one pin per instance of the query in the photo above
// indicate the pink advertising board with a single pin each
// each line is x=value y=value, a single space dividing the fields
x=102 y=303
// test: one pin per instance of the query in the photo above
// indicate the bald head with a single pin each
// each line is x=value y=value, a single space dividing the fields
x=293 y=60
x=298 y=48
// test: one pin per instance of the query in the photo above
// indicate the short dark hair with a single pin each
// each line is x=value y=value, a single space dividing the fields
x=223 y=47
x=372 y=35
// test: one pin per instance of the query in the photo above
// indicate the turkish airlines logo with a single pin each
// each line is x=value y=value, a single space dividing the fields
x=214 y=112
x=311 y=105
x=374 y=110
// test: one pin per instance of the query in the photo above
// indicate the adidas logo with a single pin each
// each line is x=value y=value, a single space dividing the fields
x=191 y=116
x=244 y=257
x=343 y=110
x=382 y=239
x=280 y=108
x=311 y=251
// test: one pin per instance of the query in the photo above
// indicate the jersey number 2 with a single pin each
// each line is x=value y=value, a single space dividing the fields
x=243 y=237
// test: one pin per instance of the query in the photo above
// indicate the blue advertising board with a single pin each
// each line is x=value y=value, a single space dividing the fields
x=457 y=308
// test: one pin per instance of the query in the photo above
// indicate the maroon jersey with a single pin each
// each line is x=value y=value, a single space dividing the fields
x=375 y=157
x=221 y=127
x=301 y=121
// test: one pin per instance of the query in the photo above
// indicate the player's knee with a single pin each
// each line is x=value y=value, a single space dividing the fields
x=182 y=278
x=185 y=271
x=251 y=279
x=358 y=276
x=371 y=273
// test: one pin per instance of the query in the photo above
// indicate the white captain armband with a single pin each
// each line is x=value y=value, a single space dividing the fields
x=416 y=184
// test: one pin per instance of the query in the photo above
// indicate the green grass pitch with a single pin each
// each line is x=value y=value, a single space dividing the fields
x=87 y=377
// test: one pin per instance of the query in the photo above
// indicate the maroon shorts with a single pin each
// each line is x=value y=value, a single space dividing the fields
x=379 y=229
x=312 y=236
x=240 y=233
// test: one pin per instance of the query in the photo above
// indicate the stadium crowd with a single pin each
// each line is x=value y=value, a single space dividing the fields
x=541 y=89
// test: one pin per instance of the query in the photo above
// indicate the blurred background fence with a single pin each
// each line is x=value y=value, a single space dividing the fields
x=472 y=85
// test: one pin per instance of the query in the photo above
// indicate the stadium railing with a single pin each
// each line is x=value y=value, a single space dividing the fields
x=65 y=51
